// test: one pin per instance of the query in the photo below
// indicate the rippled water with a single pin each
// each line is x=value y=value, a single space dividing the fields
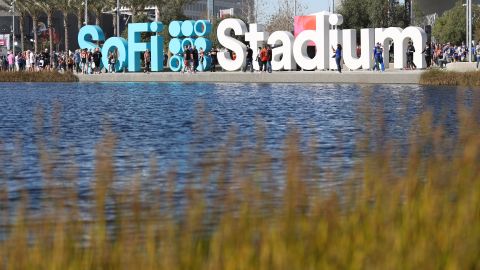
x=163 y=120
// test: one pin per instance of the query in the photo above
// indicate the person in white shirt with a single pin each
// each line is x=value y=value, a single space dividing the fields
x=28 y=63
x=17 y=64
x=31 y=56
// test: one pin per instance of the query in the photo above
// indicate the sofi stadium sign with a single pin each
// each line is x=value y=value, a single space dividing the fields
x=288 y=50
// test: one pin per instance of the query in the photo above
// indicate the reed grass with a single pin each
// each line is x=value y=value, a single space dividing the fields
x=450 y=78
x=44 y=76
x=424 y=217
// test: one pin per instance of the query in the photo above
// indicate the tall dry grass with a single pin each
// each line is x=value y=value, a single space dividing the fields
x=450 y=78
x=44 y=76
x=426 y=216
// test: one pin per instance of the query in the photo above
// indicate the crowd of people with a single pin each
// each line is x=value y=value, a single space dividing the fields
x=89 y=61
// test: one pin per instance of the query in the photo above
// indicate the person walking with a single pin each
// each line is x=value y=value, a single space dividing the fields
x=77 y=60
x=264 y=58
x=377 y=56
x=201 y=57
x=269 y=59
x=259 y=59
x=410 y=51
x=428 y=54
x=186 y=59
x=97 y=56
x=83 y=56
x=249 y=60
x=11 y=61
x=338 y=57
x=194 y=59
x=213 y=55
x=477 y=54
x=33 y=63
x=147 y=59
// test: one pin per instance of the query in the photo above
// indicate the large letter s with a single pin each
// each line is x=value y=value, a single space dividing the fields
x=88 y=34
x=224 y=38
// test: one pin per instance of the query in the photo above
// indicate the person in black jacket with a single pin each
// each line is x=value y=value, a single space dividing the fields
x=428 y=54
x=410 y=51
x=249 y=60
x=195 y=59
x=269 y=61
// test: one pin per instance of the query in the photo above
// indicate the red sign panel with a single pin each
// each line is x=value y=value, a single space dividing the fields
x=3 y=42
x=303 y=23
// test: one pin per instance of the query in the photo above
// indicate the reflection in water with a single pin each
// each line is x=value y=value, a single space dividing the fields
x=176 y=124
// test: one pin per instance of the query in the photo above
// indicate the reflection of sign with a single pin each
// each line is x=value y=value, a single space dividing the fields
x=3 y=42
x=288 y=50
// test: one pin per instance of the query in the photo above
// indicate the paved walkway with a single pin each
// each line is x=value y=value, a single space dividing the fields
x=357 y=77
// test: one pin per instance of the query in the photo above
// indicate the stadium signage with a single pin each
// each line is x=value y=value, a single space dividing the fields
x=288 y=51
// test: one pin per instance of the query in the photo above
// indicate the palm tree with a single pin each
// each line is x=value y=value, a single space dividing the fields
x=137 y=7
x=49 y=6
x=170 y=10
x=97 y=7
x=32 y=9
x=78 y=7
x=64 y=6
x=20 y=9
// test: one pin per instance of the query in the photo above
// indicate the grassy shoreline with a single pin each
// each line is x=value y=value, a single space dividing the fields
x=433 y=77
x=438 y=77
x=37 y=77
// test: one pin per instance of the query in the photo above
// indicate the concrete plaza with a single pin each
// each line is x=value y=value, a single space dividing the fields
x=357 y=77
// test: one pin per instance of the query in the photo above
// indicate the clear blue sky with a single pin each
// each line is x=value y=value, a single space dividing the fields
x=321 y=5
x=317 y=5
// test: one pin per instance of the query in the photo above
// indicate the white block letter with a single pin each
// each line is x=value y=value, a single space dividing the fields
x=282 y=56
x=224 y=38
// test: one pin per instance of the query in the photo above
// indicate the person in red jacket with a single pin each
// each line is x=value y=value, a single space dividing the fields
x=264 y=58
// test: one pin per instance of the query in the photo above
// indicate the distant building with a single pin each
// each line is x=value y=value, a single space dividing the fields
x=437 y=6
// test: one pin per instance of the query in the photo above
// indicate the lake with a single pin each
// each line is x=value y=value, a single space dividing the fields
x=177 y=123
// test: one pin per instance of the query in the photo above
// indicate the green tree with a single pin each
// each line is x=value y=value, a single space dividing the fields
x=355 y=14
x=49 y=7
x=450 y=27
x=65 y=6
x=34 y=11
x=358 y=14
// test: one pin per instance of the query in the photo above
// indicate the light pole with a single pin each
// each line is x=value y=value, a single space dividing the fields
x=13 y=25
x=294 y=8
x=118 y=18
x=86 y=12
x=468 y=28
x=469 y=31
